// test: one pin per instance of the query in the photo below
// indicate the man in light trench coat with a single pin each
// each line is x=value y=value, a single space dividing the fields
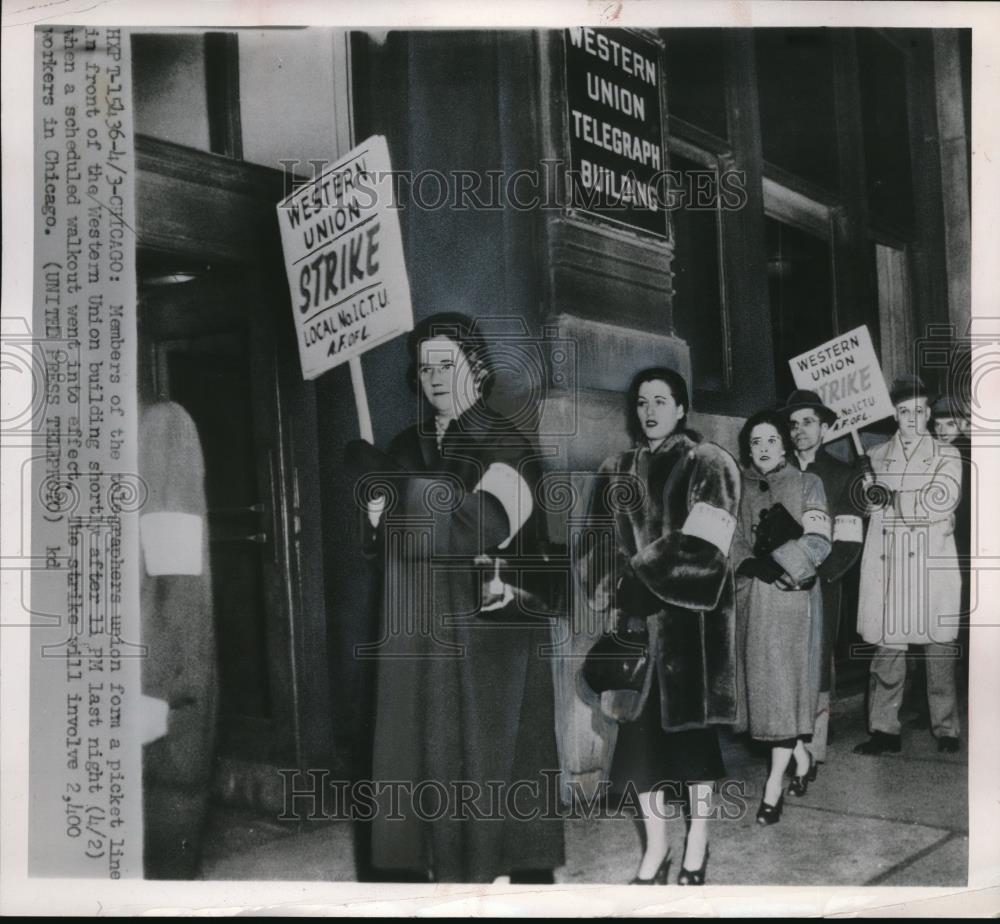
x=910 y=579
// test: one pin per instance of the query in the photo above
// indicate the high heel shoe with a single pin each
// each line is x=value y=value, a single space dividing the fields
x=659 y=877
x=694 y=876
x=770 y=814
x=800 y=782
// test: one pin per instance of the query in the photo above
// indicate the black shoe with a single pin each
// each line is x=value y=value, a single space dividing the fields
x=694 y=876
x=947 y=745
x=880 y=743
x=659 y=877
x=770 y=814
x=800 y=783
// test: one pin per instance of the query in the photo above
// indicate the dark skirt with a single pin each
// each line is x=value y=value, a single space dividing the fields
x=647 y=758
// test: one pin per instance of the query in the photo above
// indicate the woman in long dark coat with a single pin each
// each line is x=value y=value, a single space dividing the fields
x=779 y=602
x=464 y=699
x=672 y=501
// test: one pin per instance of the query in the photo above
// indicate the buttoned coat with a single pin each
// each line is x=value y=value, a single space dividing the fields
x=779 y=632
x=461 y=700
x=910 y=580
x=671 y=515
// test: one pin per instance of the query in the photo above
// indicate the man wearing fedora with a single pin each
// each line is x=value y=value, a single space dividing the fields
x=910 y=582
x=809 y=420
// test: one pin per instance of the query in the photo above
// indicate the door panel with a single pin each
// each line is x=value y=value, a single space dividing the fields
x=216 y=363
x=214 y=388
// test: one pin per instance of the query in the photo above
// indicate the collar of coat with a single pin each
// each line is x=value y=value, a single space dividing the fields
x=677 y=443
x=645 y=463
x=786 y=471
x=894 y=454
x=822 y=460
x=480 y=429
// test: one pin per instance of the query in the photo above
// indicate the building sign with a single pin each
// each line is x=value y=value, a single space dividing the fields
x=344 y=258
x=615 y=127
x=846 y=375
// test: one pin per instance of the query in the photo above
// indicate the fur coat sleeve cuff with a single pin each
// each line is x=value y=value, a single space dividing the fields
x=688 y=565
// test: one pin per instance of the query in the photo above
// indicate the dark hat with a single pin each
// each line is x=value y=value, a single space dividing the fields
x=949 y=407
x=800 y=399
x=907 y=387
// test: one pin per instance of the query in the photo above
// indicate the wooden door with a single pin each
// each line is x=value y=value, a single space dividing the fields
x=216 y=337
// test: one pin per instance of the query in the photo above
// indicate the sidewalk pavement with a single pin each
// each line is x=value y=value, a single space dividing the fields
x=895 y=820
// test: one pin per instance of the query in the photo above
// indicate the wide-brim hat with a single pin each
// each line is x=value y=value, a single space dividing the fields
x=801 y=399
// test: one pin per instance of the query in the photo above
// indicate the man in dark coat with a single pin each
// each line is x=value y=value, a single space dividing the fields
x=809 y=420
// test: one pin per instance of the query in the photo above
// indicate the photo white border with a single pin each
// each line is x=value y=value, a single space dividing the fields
x=18 y=894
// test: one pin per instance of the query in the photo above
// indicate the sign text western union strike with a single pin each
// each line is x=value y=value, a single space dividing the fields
x=344 y=258
x=846 y=375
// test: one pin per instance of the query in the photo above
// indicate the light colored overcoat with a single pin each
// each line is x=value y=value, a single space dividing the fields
x=910 y=579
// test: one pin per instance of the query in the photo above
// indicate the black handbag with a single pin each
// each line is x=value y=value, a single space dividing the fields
x=618 y=661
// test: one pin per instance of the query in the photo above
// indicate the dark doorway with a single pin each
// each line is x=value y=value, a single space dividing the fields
x=198 y=333
x=216 y=337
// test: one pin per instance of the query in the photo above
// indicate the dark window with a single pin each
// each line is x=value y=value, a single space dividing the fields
x=698 y=299
x=696 y=75
x=801 y=290
x=882 y=72
x=797 y=114
x=168 y=80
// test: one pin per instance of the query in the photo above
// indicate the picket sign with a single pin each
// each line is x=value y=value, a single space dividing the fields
x=346 y=272
x=846 y=375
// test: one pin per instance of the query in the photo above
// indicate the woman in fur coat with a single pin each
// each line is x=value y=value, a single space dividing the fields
x=782 y=536
x=671 y=504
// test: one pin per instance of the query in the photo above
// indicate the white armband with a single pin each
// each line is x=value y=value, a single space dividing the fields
x=514 y=494
x=816 y=522
x=847 y=528
x=152 y=718
x=171 y=542
x=713 y=524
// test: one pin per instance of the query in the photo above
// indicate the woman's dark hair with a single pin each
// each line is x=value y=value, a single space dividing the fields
x=678 y=390
x=459 y=328
x=767 y=416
